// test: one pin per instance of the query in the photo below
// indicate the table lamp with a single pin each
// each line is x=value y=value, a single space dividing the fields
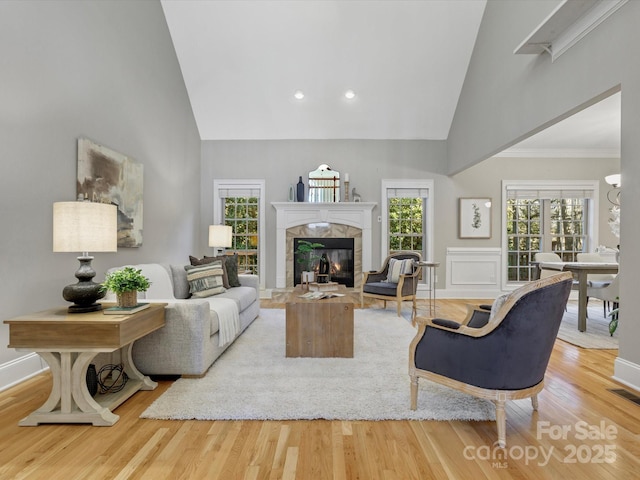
x=220 y=237
x=84 y=227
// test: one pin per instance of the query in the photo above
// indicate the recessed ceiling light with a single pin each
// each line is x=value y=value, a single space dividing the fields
x=350 y=94
x=298 y=94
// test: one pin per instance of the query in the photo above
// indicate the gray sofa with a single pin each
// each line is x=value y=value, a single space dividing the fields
x=189 y=342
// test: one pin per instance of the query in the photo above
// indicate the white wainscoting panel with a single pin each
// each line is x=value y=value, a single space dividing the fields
x=473 y=272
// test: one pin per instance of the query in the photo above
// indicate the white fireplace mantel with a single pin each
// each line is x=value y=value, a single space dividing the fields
x=293 y=214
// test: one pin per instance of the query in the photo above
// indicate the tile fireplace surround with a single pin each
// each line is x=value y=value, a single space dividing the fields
x=313 y=220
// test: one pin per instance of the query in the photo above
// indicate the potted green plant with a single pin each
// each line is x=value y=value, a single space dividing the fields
x=613 y=324
x=126 y=283
x=306 y=256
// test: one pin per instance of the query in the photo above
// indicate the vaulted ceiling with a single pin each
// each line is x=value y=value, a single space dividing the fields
x=406 y=61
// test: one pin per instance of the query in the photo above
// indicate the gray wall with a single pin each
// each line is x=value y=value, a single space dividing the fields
x=280 y=163
x=104 y=70
x=505 y=97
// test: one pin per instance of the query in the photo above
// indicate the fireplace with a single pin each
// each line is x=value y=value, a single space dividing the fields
x=322 y=220
x=340 y=252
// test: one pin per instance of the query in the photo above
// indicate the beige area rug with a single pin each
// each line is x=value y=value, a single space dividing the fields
x=597 y=334
x=253 y=380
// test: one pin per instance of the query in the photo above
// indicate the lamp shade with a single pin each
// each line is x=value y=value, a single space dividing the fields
x=220 y=236
x=85 y=227
x=614 y=179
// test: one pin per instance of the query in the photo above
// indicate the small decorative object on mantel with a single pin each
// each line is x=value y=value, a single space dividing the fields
x=300 y=190
x=292 y=195
x=126 y=283
x=356 y=196
x=346 y=187
x=324 y=185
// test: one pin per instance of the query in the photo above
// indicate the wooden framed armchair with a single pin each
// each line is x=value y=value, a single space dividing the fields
x=398 y=284
x=503 y=359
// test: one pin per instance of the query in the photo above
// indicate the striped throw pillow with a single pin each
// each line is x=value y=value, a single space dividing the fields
x=397 y=268
x=205 y=280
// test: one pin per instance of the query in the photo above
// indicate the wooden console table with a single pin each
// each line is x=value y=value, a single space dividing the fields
x=319 y=328
x=68 y=343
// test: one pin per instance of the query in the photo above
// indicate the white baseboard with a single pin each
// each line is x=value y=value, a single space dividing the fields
x=470 y=293
x=20 y=369
x=266 y=293
x=627 y=373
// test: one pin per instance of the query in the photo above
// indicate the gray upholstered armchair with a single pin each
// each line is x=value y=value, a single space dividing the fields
x=502 y=359
x=398 y=285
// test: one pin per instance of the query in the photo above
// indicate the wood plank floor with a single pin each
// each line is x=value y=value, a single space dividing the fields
x=581 y=431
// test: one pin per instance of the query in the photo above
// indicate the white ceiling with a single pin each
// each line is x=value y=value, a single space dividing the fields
x=242 y=61
x=593 y=133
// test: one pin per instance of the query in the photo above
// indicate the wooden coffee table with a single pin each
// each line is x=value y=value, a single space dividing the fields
x=319 y=328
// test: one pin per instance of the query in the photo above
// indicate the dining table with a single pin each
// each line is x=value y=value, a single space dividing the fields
x=581 y=271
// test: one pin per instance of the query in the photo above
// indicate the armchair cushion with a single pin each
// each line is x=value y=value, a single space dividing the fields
x=381 y=288
x=397 y=268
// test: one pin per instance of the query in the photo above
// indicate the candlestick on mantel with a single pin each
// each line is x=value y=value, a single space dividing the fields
x=346 y=177
x=346 y=190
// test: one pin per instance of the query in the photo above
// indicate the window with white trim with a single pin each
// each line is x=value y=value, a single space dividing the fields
x=407 y=216
x=546 y=217
x=240 y=205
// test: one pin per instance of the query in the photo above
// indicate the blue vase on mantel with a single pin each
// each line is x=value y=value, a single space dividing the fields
x=300 y=190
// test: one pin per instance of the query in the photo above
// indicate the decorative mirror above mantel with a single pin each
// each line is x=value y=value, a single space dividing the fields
x=324 y=185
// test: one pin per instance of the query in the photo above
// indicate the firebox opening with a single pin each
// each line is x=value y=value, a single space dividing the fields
x=340 y=254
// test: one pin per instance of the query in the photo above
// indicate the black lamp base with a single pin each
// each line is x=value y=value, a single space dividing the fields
x=95 y=307
x=85 y=293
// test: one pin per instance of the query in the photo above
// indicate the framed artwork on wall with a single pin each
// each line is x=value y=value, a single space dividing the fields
x=107 y=176
x=474 y=218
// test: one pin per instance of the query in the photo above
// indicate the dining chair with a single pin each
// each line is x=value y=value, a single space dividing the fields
x=541 y=257
x=596 y=280
x=607 y=293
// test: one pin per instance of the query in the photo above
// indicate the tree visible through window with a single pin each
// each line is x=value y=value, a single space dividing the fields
x=534 y=225
x=242 y=215
x=406 y=224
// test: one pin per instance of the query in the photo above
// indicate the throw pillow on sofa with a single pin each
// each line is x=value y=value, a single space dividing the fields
x=231 y=268
x=231 y=262
x=207 y=260
x=205 y=280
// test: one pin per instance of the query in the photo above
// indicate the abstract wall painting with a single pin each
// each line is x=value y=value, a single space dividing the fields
x=107 y=176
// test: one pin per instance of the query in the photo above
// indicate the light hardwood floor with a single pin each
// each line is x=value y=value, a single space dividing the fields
x=576 y=399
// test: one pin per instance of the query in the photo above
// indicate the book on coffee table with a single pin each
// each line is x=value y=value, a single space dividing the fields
x=323 y=287
x=320 y=295
x=125 y=310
